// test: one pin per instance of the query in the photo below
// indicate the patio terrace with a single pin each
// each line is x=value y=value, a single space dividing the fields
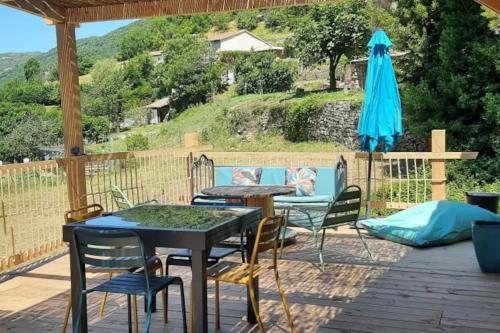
x=404 y=290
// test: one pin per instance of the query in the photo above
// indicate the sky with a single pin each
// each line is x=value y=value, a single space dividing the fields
x=23 y=32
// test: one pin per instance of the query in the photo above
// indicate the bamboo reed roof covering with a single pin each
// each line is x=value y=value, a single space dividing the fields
x=81 y=11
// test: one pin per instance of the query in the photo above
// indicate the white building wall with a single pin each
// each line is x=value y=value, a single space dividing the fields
x=242 y=42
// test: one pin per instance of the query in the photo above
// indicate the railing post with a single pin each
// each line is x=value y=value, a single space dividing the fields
x=72 y=117
x=190 y=176
x=438 y=166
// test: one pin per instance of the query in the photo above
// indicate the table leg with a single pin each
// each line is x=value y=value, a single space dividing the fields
x=199 y=291
x=251 y=318
x=76 y=293
x=266 y=203
x=150 y=251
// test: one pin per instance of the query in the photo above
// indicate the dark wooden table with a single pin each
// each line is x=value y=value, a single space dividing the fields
x=190 y=227
x=254 y=195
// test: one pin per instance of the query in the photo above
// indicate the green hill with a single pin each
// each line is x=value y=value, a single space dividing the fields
x=219 y=121
x=107 y=46
x=11 y=62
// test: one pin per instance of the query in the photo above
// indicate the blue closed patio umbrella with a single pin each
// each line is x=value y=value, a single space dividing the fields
x=380 y=120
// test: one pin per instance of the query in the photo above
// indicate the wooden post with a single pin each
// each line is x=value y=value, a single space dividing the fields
x=191 y=140
x=438 y=166
x=72 y=118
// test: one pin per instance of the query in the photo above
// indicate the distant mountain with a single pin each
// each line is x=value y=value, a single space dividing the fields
x=107 y=46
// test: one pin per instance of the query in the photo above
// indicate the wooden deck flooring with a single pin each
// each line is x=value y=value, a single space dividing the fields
x=403 y=290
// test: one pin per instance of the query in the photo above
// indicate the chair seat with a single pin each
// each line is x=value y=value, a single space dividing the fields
x=230 y=271
x=135 y=284
x=316 y=200
x=301 y=220
x=216 y=253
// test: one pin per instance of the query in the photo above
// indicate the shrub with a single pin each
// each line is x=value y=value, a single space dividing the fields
x=220 y=21
x=247 y=20
x=96 y=129
x=274 y=18
x=300 y=118
x=137 y=142
x=263 y=73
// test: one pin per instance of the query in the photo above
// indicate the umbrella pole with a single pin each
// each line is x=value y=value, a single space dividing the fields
x=369 y=187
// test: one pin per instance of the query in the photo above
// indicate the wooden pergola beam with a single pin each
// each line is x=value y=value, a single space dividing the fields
x=491 y=4
x=143 y=9
x=72 y=117
x=41 y=8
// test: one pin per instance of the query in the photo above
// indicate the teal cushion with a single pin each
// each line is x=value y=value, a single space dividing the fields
x=325 y=181
x=429 y=224
x=303 y=199
x=273 y=176
x=223 y=176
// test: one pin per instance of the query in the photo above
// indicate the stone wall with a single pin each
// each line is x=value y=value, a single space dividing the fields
x=336 y=122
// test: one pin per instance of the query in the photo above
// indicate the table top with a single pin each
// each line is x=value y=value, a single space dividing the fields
x=192 y=227
x=251 y=191
x=168 y=217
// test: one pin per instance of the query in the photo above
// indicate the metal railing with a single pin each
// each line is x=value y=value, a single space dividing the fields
x=34 y=196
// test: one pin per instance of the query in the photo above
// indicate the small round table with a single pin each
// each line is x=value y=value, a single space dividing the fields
x=253 y=195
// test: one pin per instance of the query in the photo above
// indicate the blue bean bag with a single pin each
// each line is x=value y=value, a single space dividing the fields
x=430 y=224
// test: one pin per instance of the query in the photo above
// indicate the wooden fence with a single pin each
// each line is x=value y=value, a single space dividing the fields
x=34 y=196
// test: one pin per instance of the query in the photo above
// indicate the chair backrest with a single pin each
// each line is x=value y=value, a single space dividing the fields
x=120 y=198
x=345 y=208
x=202 y=174
x=110 y=249
x=83 y=213
x=267 y=238
x=206 y=200
x=340 y=174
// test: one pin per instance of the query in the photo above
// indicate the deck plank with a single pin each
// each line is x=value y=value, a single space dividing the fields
x=403 y=290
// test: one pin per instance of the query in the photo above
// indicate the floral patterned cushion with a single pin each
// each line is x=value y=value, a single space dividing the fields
x=303 y=179
x=246 y=176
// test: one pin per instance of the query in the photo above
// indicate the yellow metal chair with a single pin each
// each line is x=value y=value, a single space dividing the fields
x=85 y=213
x=232 y=272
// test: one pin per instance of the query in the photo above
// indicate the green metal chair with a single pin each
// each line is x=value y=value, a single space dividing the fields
x=122 y=201
x=344 y=210
x=122 y=250
x=155 y=264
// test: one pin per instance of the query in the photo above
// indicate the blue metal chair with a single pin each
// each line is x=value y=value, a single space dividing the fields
x=121 y=250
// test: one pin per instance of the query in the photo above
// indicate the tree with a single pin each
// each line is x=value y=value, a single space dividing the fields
x=104 y=95
x=138 y=70
x=262 y=72
x=23 y=131
x=31 y=68
x=137 y=41
x=85 y=65
x=330 y=31
x=34 y=91
x=191 y=72
x=453 y=79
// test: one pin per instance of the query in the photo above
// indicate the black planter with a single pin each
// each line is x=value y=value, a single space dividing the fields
x=486 y=238
x=484 y=200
